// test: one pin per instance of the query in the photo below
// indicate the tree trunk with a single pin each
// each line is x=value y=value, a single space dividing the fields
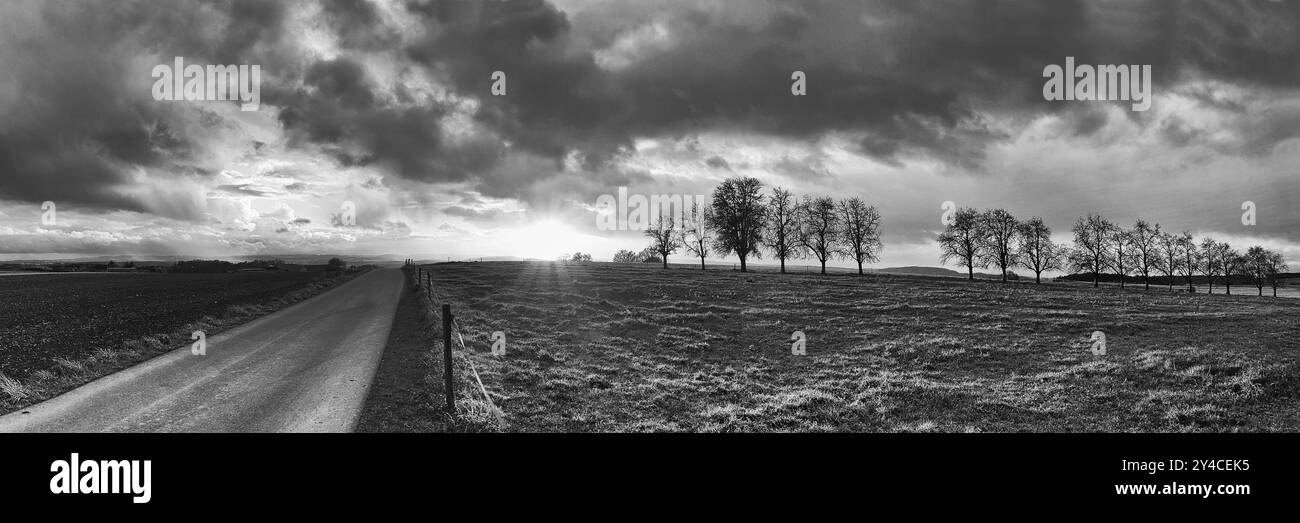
x=970 y=272
x=1038 y=277
x=783 y=265
x=1210 y=279
x=859 y=268
x=701 y=263
x=1095 y=279
x=742 y=264
x=823 y=266
x=665 y=262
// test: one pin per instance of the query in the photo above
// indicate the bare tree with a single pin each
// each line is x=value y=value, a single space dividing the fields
x=1257 y=266
x=1038 y=252
x=819 y=228
x=999 y=239
x=1121 y=258
x=696 y=234
x=1229 y=263
x=1167 y=259
x=962 y=241
x=1276 y=268
x=1191 y=257
x=738 y=217
x=1092 y=241
x=782 y=234
x=1212 y=262
x=1145 y=236
x=860 y=231
x=663 y=238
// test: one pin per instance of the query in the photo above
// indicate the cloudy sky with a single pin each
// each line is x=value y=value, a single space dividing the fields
x=388 y=105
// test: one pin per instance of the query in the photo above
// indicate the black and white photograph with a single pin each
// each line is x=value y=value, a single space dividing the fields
x=494 y=222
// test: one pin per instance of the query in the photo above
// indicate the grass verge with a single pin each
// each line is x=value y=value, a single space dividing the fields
x=407 y=392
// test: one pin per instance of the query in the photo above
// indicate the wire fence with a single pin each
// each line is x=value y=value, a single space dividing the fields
x=424 y=278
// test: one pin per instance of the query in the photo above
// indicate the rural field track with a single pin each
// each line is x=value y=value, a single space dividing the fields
x=306 y=368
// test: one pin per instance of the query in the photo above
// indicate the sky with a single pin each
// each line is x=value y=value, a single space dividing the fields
x=384 y=111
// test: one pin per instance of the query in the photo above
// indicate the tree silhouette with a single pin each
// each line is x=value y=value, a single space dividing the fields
x=1229 y=264
x=1145 y=237
x=738 y=217
x=697 y=234
x=961 y=241
x=819 y=228
x=663 y=239
x=998 y=247
x=1038 y=252
x=781 y=236
x=1191 y=257
x=1122 y=252
x=1092 y=241
x=1212 y=262
x=1274 y=270
x=1167 y=256
x=625 y=256
x=860 y=231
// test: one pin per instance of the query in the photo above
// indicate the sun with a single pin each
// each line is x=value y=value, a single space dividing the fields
x=544 y=240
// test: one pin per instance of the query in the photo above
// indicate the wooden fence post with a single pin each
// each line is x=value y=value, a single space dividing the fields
x=448 y=388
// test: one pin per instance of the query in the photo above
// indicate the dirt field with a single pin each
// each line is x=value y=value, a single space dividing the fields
x=58 y=331
x=610 y=347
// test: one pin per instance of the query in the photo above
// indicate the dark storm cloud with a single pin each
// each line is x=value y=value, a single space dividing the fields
x=82 y=118
x=336 y=106
x=1177 y=133
x=1251 y=41
x=717 y=162
x=910 y=78
x=717 y=71
x=902 y=79
x=356 y=22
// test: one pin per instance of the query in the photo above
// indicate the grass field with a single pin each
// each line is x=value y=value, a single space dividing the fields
x=58 y=331
x=610 y=347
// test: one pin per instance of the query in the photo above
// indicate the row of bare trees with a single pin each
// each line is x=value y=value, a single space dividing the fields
x=1144 y=250
x=745 y=221
x=996 y=238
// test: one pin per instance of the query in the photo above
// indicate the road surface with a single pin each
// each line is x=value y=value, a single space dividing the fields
x=306 y=368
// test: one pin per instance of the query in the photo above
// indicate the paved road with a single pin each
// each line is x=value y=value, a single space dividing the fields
x=306 y=368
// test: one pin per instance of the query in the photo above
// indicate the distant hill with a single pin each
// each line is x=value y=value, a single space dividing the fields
x=923 y=271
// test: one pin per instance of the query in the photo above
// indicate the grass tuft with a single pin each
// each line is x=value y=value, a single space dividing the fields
x=14 y=389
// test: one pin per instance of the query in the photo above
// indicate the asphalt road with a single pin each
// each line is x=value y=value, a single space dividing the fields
x=306 y=368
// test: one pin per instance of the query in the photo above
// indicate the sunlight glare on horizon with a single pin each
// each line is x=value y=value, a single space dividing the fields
x=544 y=239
